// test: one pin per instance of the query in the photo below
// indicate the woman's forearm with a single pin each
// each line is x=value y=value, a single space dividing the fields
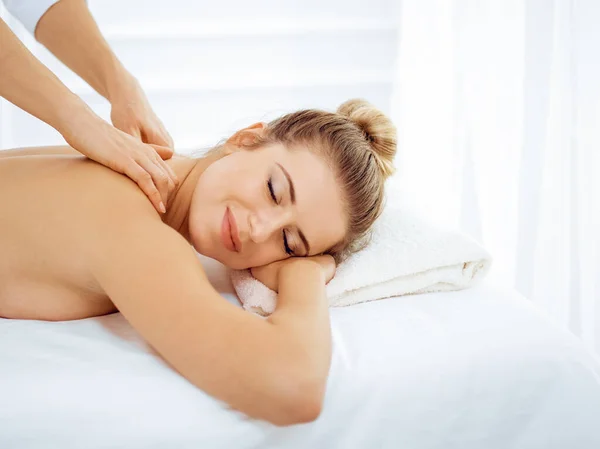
x=70 y=32
x=302 y=316
x=27 y=83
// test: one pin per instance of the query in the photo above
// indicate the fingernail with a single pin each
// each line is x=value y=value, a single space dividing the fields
x=162 y=207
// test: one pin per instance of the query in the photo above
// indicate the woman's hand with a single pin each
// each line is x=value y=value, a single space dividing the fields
x=269 y=274
x=131 y=113
x=125 y=154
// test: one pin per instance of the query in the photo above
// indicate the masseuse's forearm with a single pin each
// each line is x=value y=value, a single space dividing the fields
x=70 y=32
x=302 y=317
x=27 y=83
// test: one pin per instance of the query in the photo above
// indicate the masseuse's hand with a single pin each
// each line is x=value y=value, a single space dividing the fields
x=125 y=154
x=269 y=274
x=131 y=112
x=69 y=31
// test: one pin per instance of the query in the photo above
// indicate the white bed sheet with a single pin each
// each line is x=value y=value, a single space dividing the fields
x=474 y=369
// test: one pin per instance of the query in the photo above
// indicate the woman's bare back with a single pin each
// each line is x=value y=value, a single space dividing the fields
x=47 y=213
x=74 y=234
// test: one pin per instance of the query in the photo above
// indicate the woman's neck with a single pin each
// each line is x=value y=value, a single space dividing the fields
x=188 y=170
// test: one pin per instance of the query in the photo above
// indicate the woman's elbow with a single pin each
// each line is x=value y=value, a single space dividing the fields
x=304 y=408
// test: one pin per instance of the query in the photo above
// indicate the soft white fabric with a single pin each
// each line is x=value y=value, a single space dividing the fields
x=498 y=104
x=28 y=12
x=471 y=369
x=407 y=255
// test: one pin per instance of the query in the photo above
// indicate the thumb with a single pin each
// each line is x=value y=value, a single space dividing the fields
x=132 y=131
x=156 y=137
x=164 y=152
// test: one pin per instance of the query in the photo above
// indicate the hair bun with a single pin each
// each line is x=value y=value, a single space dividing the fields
x=377 y=128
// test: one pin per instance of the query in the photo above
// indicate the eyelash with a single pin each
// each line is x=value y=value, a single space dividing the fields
x=286 y=248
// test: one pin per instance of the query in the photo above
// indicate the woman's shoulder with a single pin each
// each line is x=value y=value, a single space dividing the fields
x=89 y=199
x=53 y=150
x=63 y=170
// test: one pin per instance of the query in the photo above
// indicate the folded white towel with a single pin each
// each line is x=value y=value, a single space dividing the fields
x=407 y=255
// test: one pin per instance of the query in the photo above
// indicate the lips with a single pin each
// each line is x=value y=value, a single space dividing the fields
x=235 y=238
x=229 y=234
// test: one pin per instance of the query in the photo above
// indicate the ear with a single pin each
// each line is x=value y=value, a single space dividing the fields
x=247 y=136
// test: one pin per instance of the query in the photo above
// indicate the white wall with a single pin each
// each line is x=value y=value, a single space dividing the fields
x=210 y=68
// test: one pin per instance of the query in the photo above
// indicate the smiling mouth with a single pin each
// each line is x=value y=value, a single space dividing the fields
x=227 y=233
x=232 y=232
x=231 y=237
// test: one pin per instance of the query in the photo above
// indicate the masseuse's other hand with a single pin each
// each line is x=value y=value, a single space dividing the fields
x=131 y=113
x=269 y=274
x=125 y=154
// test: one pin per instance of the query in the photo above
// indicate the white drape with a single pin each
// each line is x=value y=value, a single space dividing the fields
x=498 y=109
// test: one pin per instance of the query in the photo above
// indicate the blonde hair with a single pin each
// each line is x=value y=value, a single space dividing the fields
x=359 y=143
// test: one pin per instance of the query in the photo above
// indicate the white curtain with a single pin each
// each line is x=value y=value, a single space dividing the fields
x=498 y=108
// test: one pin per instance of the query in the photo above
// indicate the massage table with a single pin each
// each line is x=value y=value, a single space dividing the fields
x=481 y=368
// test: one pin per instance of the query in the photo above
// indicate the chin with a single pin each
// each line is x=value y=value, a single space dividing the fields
x=224 y=259
x=233 y=264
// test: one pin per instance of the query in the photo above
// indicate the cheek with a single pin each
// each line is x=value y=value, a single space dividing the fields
x=197 y=231
x=248 y=191
x=261 y=257
x=203 y=222
x=261 y=254
x=257 y=259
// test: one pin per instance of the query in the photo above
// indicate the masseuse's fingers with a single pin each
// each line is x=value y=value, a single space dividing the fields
x=166 y=153
x=163 y=151
x=133 y=131
x=158 y=160
x=146 y=182
x=158 y=135
x=167 y=136
x=164 y=177
x=171 y=177
x=125 y=153
x=160 y=177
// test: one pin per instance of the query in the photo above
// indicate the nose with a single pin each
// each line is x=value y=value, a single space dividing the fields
x=265 y=222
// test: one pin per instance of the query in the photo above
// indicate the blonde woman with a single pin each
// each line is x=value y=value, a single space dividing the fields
x=288 y=198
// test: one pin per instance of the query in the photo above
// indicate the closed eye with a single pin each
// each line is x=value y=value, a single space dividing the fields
x=286 y=247
x=271 y=191
x=288 y=250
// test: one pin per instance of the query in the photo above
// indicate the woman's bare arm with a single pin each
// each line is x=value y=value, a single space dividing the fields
x=155 y=279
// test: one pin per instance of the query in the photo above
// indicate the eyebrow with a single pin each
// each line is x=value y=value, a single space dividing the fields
x=293 y=195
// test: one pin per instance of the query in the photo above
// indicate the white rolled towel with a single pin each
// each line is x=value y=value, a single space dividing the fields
x=407 y=255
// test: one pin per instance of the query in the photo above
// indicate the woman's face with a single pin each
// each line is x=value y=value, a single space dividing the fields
x=275 y=202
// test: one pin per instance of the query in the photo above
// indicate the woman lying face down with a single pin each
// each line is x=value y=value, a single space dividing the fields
x=79 y=240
